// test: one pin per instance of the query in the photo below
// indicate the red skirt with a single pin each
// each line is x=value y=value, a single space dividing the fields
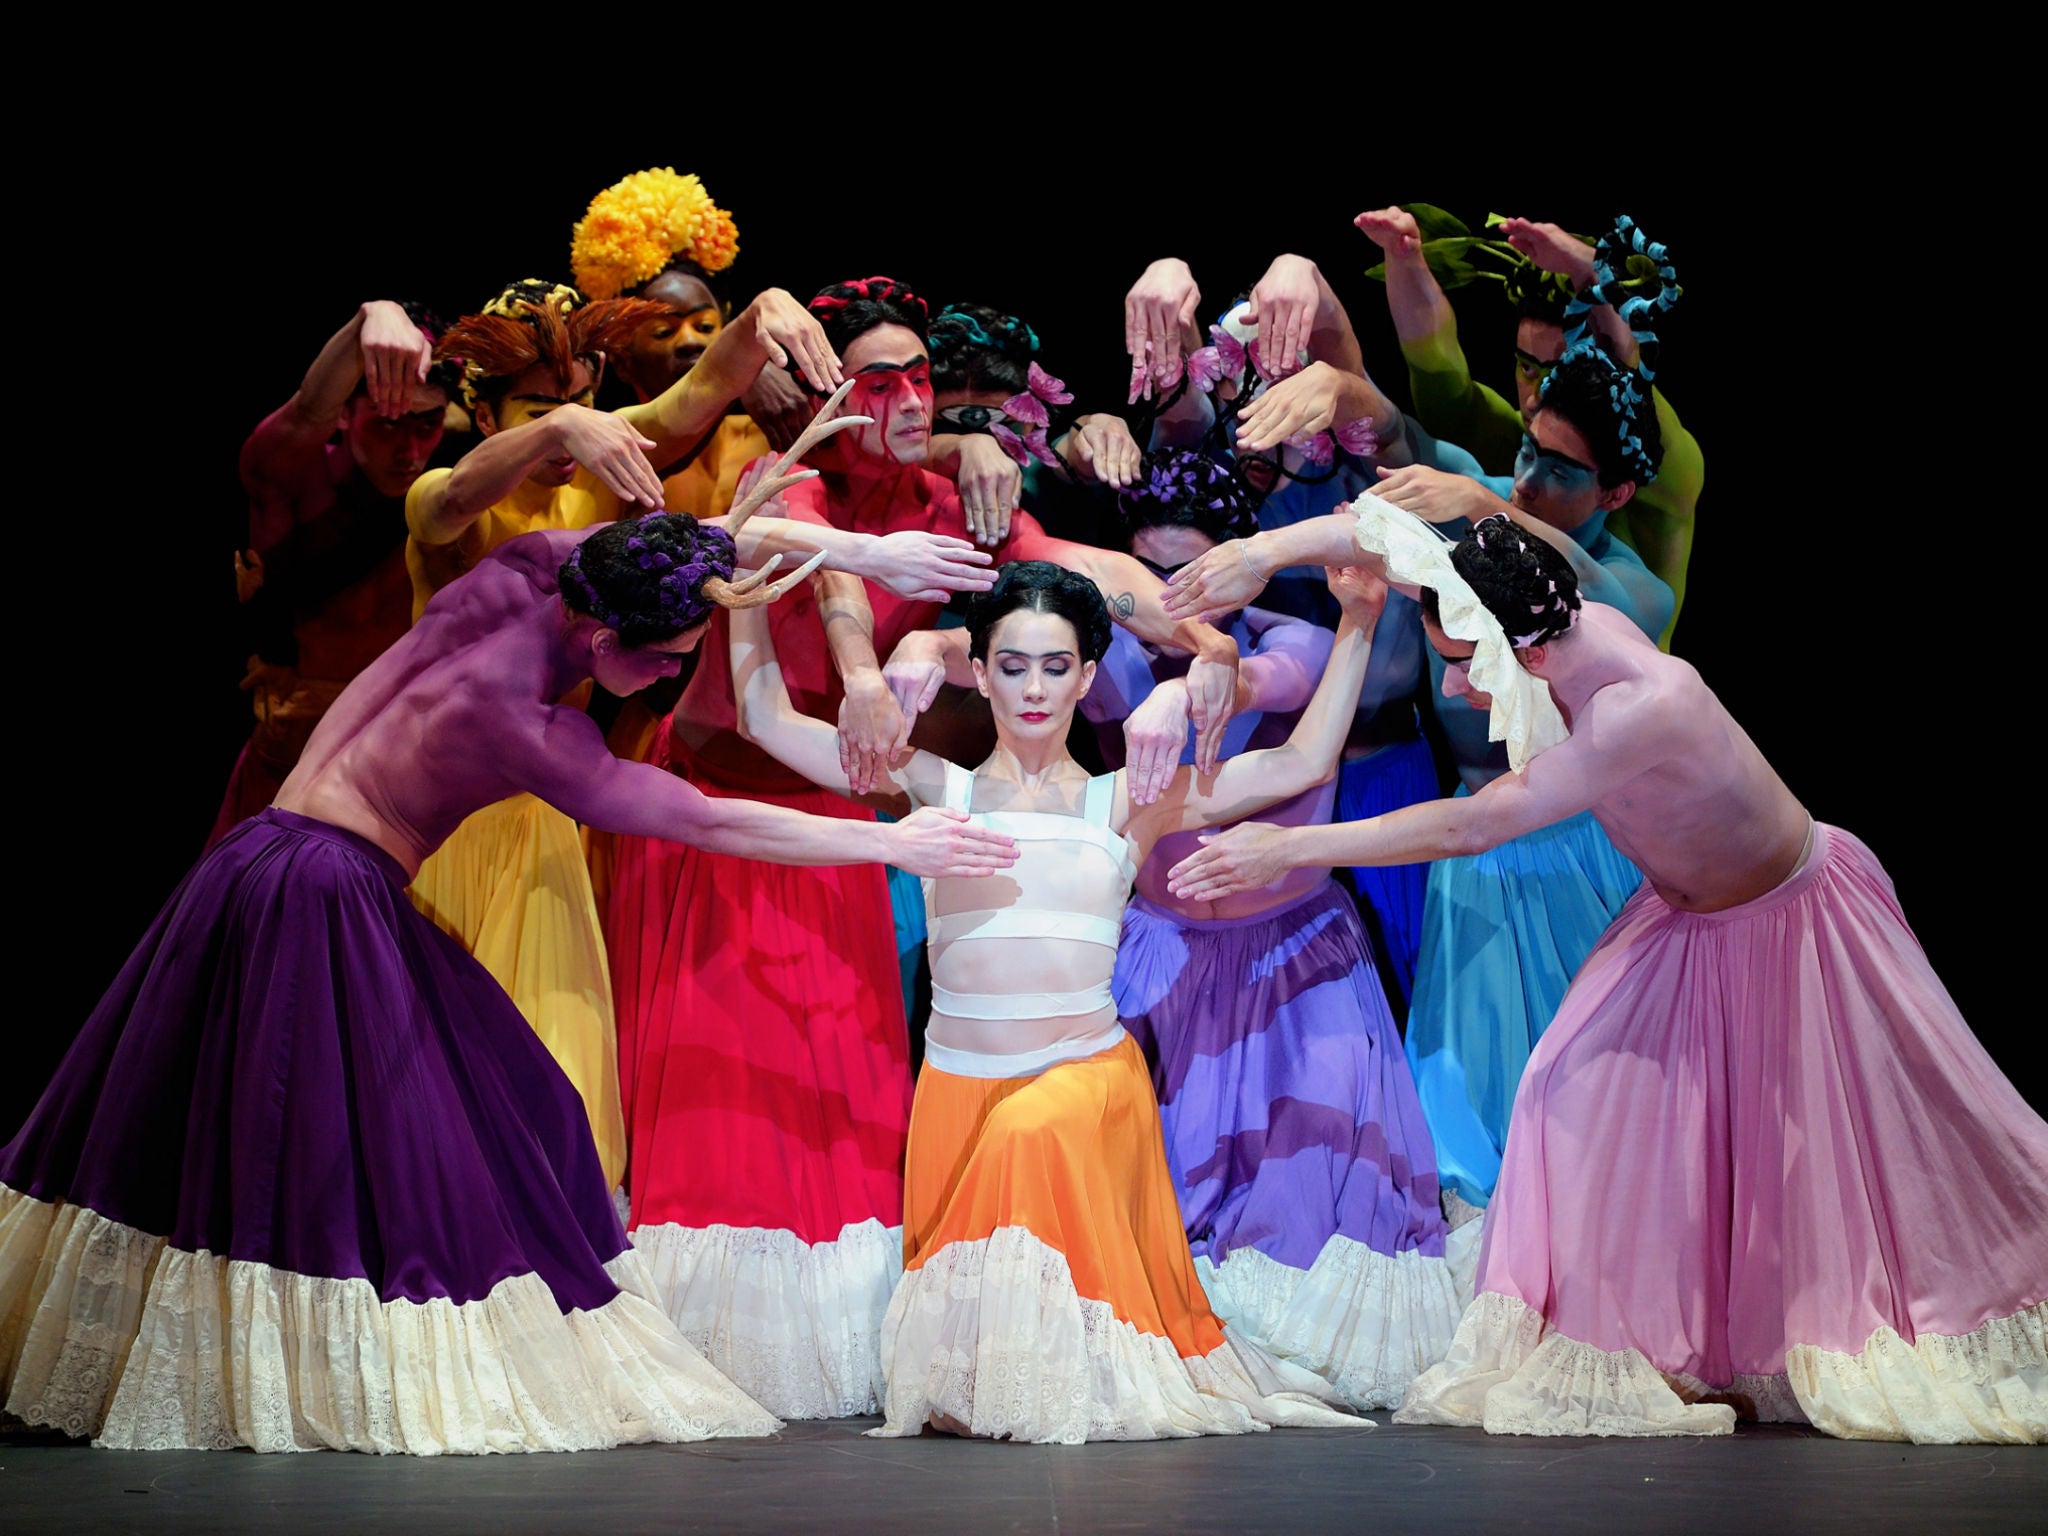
x=762 y=1044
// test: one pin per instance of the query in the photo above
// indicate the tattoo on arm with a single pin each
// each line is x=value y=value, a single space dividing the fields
x=1124 y=605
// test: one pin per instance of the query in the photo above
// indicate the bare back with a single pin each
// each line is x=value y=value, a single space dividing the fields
x=458 y=714
x=1676 y=783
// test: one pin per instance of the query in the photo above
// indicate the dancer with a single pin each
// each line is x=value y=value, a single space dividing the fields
x=658 y=236
x=1557 y=287
x=1759 y=1161
x=513 y=885
x=1048 y=1292
x=307 y=1178
x=1306 y=1178
x=1304 y=428
x=767 y=1077
x=1504 y=930
x=323 y=580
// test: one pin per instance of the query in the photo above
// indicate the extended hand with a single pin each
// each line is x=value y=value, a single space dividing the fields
x=1361 y=591
x=915 y=673
x=929 y=567
x=1393 y=230
x=1101 y=449
x=787 y=330
x=396 y=355
x=1284 y=306
x=1551 y=248
x=938 y=843
x=1212 y=700
x=248 y=574
x=1154 y=735
x=1160 y=306
x=1294 y=407
x=1216 y=582
x=1250 y=855
x=778 y=405
x=611 y=449
x=1435 y=495
x=873 y=730
x=990 y=484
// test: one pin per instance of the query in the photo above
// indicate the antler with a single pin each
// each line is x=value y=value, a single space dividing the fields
x=781 y=477
x=748 y=592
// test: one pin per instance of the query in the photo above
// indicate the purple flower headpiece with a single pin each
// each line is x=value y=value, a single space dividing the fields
x=680 y=601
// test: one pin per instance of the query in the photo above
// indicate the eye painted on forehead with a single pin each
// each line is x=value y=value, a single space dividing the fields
x=974 y=418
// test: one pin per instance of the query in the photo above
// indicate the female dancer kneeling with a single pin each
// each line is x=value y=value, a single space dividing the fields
x=1048 y=1292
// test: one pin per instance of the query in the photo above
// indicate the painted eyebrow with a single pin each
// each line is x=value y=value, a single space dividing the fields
x=1033 y=655
x=917 y=362
x=1453 y=661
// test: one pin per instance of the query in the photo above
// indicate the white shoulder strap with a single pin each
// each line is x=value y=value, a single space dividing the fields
x=959 y=787
x=1101 y=800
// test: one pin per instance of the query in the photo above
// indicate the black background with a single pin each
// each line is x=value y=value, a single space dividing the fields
x=1836 y=603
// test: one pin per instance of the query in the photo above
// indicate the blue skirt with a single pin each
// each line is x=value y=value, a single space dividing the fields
x=1503 y=933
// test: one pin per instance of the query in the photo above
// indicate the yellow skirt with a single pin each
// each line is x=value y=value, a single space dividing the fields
x=511 y=886
x=1048 y=1293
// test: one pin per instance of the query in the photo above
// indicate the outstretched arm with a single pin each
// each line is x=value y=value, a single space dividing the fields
x=442 y=504
x=1252 y=781
x=1590 y=764
x=570 y=767
x=767 y=718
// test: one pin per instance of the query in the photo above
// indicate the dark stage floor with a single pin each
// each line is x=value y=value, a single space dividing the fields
x=826 y=1477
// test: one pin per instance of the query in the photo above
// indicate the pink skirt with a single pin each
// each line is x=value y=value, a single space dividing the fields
x=1759 y=1155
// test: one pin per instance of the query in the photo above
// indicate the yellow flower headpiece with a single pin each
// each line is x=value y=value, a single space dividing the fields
x=635 y=228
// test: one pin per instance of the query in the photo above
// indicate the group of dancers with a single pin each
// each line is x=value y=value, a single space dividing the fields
x=658 y=704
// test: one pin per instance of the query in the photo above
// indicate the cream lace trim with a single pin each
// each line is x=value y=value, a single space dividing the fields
x=797 y=1325
x=992 y=1335
x=109 y=1332
x=1990 y=1384
x=1366 y=1322
x=1506 y=1373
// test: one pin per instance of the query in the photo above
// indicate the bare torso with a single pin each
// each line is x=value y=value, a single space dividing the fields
x=1705 y=818
x=455 y=715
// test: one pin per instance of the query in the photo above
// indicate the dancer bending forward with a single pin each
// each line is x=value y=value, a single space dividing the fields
x=1048 y=1292
x=1758 y=1157
x=307 y=1178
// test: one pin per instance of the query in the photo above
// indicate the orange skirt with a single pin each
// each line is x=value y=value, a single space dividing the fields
x=1048 y=1293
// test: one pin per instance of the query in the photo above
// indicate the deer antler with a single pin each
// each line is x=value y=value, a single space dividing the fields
x=748 y=591
x=781 y=477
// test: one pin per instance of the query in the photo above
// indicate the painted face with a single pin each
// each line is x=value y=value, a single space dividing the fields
x=1538 y=346
x=667 y=347
x=531 y=396
x=1034 y=676
x=1554 y=474
x=893 y=384
x=1457 y=657
x=623 y=670
x=389 y=452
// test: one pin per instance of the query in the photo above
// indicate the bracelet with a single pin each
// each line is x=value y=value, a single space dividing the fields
x=1244 y=549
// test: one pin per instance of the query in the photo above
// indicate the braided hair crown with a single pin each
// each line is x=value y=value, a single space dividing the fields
x=645 y=577
x=1185 y=489
x=848 y=310
x=975 y=347
x=1526 y=584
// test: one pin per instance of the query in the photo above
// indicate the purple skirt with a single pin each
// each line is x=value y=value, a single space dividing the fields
x=298 y=1069
x=1289 y=1112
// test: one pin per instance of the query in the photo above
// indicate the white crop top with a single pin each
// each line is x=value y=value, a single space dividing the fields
x=1070 y=883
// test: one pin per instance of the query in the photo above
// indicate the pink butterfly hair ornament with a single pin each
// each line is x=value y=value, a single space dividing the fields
x=1316 y=447
x=1358 y=438
x=1041 y=390
x=1032 y=445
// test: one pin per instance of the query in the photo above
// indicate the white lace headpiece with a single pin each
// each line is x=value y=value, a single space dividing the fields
x=1523 y=715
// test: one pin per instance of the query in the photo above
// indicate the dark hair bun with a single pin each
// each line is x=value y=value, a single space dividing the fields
x=1039 y=586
